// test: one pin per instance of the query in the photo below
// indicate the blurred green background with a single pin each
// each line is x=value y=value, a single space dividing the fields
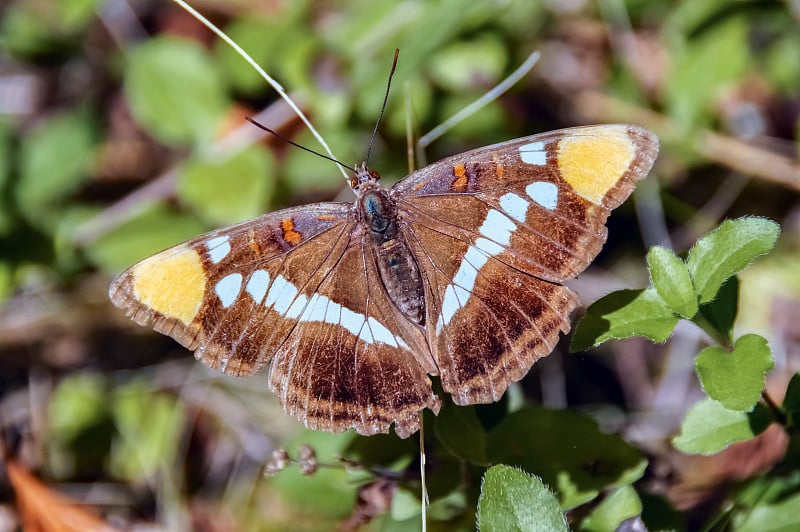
x=122 y=132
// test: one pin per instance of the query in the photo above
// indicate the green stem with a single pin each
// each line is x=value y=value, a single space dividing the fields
x=719 y=337
x=779 y=414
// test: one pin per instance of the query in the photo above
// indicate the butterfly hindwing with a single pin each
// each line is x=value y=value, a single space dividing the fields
x=496 y=229
x=509 y=320
x=352 y=361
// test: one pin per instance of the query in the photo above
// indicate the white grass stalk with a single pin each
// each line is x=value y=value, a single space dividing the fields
x=492 y=94
x=272 y=82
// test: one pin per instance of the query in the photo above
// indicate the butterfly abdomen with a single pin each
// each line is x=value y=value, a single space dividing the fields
x=398 y=269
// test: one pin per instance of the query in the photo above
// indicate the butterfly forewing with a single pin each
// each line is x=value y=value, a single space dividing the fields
x=497 y=228
x=223 y=294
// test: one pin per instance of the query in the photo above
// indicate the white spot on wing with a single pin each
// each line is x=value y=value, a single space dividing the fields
x=352 y=321
x=498 y=227
x=467 y=273
x=315 y=311
x=281 y=295
x=366 y=334
x=218 y=248
x=285 y=299
x=381 y=333
x=257 y=285
x=333 y=314
x=543 y=193
x=486 y=246
x=515 y=206
x=228 y=289
x=297 y=307
x=533 y=153
x=450 y=305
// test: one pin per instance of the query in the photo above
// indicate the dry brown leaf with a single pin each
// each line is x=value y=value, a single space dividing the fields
x=45 y=510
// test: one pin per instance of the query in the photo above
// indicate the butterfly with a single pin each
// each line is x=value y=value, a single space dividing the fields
x=454 y=271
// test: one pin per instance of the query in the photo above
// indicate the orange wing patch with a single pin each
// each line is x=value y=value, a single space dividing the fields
x=498 y=167
x=289 y=234
x=459 y=184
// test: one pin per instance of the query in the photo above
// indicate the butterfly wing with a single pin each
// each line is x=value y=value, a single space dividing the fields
x=353 y=360
x=297 y=289
x=218 y=294
x=495 y=230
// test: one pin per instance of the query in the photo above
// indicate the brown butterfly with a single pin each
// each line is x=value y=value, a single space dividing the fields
x=454 y=271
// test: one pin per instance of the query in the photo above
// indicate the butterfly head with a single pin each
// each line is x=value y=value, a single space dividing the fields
x=363 y=175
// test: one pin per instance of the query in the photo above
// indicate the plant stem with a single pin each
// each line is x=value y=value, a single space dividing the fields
x=719 y=337
x=780 y=415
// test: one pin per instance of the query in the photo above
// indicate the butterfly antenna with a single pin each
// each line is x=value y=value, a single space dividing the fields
x=296 y=145
x=383 y=107
x=272 y=83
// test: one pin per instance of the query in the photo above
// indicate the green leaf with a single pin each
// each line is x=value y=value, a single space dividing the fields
x=709 y=427
x=6 y=164
x=405 y=505
x=623 y=314
x=672 y=281
x=451 y=506
x=620 y=505
x=150 y=426
x=229 y=189
x=513 y=500
x=307 y=174
x=791 y=402
x=783 y=72
x=460 y=432
x=156 y=228
x=568 y=450
x=382 y=450
x=78 y=402
x=462 y=65
x=79 y=431
x=735 y=379
x=727 y=250
x=703 y=67
x=264 y=40
x=55 y=159
x=29 y=28
x=783 y=516
x=720 y=313
x=659 y=514
x=6 y=280
x=175 y=91
x=406 y=508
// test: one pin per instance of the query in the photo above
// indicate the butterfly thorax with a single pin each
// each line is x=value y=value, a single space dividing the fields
x=398 y=269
